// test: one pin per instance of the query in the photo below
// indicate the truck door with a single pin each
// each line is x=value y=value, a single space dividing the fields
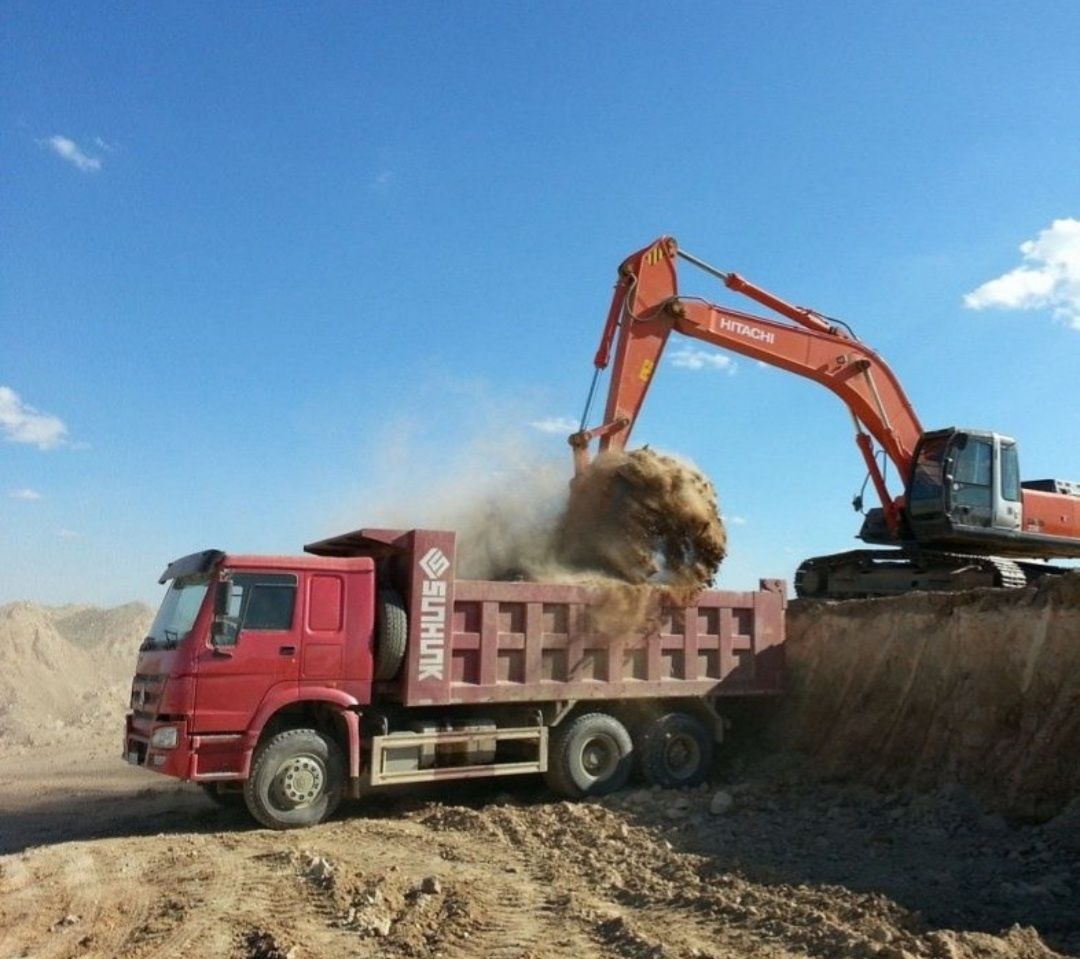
x=255 y=647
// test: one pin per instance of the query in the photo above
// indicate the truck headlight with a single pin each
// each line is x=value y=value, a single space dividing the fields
x=165 y=737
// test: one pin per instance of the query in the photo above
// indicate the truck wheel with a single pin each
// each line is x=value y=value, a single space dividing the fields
x=297 y=779
x=676 y=750
x=391 y=634
x=590 y=756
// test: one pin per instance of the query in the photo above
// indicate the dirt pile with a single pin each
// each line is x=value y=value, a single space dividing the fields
x=980 y=689
x=66 y=670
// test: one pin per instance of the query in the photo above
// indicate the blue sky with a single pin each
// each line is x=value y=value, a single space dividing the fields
x=272 y=271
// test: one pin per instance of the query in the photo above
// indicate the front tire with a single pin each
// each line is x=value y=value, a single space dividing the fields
x=297 y=779
x=590 y=756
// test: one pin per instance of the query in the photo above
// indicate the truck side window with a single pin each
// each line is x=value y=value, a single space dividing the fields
x=263 y=600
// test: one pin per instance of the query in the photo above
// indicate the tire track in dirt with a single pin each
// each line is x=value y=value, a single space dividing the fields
x=541 y=880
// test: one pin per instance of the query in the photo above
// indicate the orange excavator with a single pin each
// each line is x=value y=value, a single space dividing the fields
x=964 y=518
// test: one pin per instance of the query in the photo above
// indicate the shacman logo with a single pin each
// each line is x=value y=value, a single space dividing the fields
x=433 y=564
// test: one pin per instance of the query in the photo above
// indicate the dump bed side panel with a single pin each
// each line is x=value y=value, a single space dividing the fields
x=474 y=641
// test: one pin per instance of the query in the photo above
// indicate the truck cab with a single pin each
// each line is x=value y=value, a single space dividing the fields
x=239 y=640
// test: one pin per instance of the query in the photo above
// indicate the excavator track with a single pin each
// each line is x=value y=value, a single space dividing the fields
x=865 y=573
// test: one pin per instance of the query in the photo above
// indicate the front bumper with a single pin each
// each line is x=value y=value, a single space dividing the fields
x=201 y=758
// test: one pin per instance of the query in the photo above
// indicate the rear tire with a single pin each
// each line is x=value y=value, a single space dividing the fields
x=676 y=751
x=391 y=634
x=589 y=756
x=297 y=779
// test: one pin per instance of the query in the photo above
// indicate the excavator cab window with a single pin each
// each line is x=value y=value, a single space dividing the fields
x=1010 y=473
x=972 y=480
x=926 y=493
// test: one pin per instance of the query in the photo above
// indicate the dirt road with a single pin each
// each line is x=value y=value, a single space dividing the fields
x=98 y=860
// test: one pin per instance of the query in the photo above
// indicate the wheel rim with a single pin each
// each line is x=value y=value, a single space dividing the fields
x=299 y=781
x=682 y=756
x=599 y=757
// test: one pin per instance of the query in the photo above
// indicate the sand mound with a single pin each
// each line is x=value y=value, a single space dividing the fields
x=65 y=670
x=980 y=689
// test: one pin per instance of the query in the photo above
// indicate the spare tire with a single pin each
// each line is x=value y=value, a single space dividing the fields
x=391 y=634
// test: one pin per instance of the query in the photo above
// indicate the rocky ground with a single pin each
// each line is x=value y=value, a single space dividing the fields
x=99 y=860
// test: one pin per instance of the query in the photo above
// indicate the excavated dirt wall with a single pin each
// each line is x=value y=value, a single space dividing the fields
x=981 y=689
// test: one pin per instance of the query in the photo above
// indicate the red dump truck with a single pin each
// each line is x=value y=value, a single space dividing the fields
x=288 y=682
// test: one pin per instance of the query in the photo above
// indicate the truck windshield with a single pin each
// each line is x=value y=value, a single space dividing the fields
x=177 y=613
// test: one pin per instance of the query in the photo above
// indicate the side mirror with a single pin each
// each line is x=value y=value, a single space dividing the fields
x=224 y=631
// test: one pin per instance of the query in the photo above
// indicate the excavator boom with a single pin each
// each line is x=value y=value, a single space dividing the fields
x=646 y=308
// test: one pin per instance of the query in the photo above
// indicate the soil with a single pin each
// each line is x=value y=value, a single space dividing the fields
x=980 y=688
x=64 y=670
x=100 y=860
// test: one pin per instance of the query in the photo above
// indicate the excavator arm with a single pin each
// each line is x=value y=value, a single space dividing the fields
x=646 y=308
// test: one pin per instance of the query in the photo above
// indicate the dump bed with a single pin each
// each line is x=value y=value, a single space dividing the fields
x=477 y=641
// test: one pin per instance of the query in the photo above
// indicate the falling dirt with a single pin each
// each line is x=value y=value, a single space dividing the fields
x=643 y=517
x=642 y=529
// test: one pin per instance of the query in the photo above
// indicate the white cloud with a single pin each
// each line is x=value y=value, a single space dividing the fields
x=555 y=424
x=104 y=145
x=383 y=179
x=735 y=520
x=73 y=153
x=25 y=494
x=1050 y=278
x=688 y=358
x=66 y=533
x=21 y=423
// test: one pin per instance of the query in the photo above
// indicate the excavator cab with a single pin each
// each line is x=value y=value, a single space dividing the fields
x=963 y=484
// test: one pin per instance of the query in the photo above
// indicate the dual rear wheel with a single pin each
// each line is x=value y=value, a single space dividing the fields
x=594 y=754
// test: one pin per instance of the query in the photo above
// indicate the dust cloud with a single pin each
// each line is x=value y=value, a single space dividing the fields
x=641 y=528
x=638 y=518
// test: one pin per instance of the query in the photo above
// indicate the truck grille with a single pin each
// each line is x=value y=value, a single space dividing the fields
x=146 y=694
